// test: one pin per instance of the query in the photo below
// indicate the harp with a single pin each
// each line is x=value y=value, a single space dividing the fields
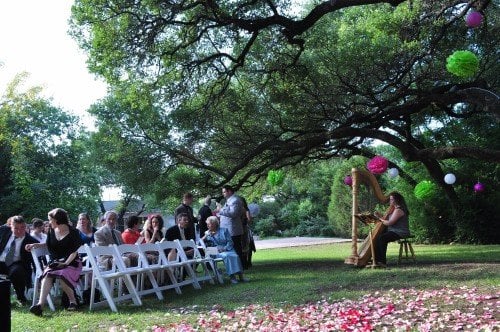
x=364 y=254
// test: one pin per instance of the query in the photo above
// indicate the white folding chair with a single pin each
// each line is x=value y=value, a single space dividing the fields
x=107 y=268
x=140 y=270
x=177 y=266
x=86 y=274
x=216 y=260
x=196 y=260
x=41 y=257
x=160 y=265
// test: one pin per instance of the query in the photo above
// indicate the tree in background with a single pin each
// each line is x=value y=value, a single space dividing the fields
x=207 y=93
x=298 y=205
x=233 y=90
x=44 y=159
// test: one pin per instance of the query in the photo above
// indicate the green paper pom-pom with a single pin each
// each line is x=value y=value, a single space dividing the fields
x=275 y=178
x=462 y=63
x=425 y=190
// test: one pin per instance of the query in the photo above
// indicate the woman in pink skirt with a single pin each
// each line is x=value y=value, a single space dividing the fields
x=63 y=242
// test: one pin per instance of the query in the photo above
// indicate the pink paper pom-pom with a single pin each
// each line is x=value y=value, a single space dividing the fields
x=479 y=187
x=474 y=19
x=377 y=165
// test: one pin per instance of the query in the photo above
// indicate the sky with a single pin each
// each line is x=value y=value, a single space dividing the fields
x=34 y=39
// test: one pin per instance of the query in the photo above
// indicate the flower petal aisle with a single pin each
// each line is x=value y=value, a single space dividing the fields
x=446 y=309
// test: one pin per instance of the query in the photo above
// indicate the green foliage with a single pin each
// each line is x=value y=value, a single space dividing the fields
x=299 y=206
x=275 y=177
x=199 y=100
x=44 y=159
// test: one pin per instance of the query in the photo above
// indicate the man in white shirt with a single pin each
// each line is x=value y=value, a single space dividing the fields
x=15 y=261
x=37 y=231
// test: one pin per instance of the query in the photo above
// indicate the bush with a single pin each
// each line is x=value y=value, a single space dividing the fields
x=266 y=226
x=314 y=226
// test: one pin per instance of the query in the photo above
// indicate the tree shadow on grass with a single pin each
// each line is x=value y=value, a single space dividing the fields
x=284 y=283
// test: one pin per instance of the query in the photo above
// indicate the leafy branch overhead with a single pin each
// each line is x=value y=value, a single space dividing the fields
x=233 y=89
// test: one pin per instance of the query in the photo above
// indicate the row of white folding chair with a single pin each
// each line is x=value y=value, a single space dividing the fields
x=169 y=268
x=104 y=278
x=199 y=260
x=141 y=270
x=108 y=271
x=152 y=258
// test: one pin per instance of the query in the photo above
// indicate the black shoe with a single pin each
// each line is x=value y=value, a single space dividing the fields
x=36 y=310
x=72 y=307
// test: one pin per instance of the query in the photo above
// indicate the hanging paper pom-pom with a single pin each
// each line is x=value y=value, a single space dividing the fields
x=377 y=165
x=275 y=178
x=348 y=180
x=462 y=63
x=393 y=172
x=450 y=178
x=425 y=190
x=479 y=187
x=254 y=209
x=474 y=19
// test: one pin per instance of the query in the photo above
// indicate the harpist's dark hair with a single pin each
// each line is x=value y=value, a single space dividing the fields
x=400 y=200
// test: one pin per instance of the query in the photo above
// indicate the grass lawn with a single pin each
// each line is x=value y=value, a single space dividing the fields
x=283 y=278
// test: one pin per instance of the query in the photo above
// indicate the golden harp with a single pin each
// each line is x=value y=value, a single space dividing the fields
x=362 y=256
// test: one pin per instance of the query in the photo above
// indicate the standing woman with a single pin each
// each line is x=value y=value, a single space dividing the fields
x=63 y=242
x=84 y=225
x=396 y=218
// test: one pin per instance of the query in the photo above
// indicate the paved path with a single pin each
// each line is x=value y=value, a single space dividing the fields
x=296 y=241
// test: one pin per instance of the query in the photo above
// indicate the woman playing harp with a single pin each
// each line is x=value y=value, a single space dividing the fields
x=396 y=220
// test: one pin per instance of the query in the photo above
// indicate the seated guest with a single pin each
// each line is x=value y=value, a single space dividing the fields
x=185 y=208
x=15 y=260
x=203 y=213
x=63 y=242
x=219 y=237
x=38 y=229
x=181 y=231
x=108 y=235
x=84 y=225
x=46 y=227
x=131 y=235
x=152 y=232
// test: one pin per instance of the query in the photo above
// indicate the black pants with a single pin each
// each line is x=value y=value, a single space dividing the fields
x=381 y=245
x=238 y=248
x=18 y=276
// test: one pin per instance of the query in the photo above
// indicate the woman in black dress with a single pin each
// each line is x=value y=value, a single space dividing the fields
x=63 y=242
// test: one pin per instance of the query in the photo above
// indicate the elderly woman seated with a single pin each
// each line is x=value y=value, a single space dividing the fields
x=219 y=237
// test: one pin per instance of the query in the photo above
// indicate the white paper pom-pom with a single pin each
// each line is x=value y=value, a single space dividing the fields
x=450 y=178
x=393 y=172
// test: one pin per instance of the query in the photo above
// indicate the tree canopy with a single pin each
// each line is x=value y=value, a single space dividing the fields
x=43 y=157
x=207 y=92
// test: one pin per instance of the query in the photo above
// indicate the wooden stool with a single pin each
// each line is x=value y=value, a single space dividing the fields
x=406 y=243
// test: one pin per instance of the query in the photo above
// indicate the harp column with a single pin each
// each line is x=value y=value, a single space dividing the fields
x=353 y=258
